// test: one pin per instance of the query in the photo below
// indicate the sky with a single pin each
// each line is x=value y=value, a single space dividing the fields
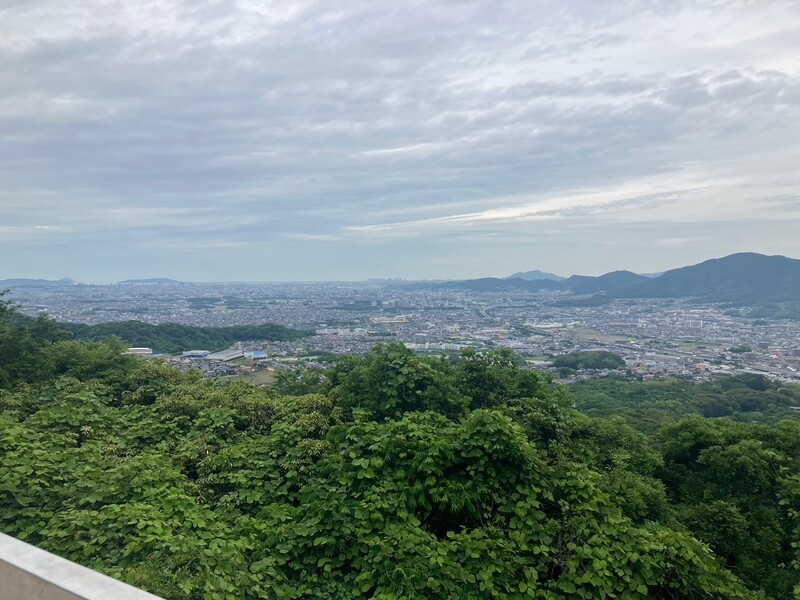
x=271 y=140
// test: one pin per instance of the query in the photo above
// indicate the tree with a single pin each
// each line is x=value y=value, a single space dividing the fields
x=494 y=377
x=391 y=380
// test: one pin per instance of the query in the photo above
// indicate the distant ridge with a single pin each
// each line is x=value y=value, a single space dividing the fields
x=744 y=277
x=535 y=275
x=152 y=281
x=172 y=337
x=12 y=283
x=493 y=284
x=616 y=280
x=577 y=284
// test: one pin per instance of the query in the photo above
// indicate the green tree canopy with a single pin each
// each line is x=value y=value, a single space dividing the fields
x=401 y=476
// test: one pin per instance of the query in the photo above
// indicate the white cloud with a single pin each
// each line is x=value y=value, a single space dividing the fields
x=290 y=124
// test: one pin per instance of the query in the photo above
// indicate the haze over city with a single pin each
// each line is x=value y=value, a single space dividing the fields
x=258 y=141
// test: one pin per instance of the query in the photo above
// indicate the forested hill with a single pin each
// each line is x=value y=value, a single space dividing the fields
x=534 y=275
x=649 y=405
x=616 y=280
x=593 y=359
x=744 y=277
x=391 y=475
x=171 y=337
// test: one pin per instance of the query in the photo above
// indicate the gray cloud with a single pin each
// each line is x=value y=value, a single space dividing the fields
x=206 y=137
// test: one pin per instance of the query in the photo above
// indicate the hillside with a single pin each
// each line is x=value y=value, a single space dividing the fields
x=649 y=405
x=744 y=277
x=172 y=337
x=594 y=359
x=616 y=280
x=577 y=284
x=535 y=275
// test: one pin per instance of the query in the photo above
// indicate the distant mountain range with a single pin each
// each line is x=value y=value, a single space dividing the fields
x=535 y=275
x=494 y=284
x=616 y=280
x=744 y=277
x=578 y=284
x=151 y=281
x=14 y=283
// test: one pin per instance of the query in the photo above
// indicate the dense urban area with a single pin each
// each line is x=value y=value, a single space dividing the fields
x=655 y=337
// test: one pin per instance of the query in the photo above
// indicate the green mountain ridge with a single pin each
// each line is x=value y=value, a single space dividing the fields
x=173 y=337
x=745 y=277
x=167 y=338
x=535 y=275
x=582 y=284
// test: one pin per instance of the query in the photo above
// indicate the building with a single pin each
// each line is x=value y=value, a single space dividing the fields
x=226 y=355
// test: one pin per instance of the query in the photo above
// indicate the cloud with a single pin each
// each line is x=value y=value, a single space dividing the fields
x=29 y=231
x=241 y=124
x=633 y=200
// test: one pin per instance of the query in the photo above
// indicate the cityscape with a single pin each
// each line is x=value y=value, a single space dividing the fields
x=655 y=337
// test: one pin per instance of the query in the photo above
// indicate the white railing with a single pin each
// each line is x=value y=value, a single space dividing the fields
x=28 y=573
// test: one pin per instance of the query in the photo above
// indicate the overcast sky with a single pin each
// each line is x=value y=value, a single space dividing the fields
x=259 y=140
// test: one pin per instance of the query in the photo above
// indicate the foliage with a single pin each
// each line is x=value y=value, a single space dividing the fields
x=172 y=337
x=166 y=338
x=727 y=484
x=774 y=310
x=299 y=381
x=593 y=359
x=494 y=378
x=400 y=477
x=649 y=405
x=740 y=349
x=41 y=351
x=391 y=380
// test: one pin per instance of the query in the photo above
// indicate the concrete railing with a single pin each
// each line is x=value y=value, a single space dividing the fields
x=28 y=573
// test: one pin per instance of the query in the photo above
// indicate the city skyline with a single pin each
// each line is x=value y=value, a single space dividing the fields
x=309 y=141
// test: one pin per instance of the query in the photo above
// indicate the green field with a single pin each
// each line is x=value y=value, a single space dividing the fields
x=257 y=377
